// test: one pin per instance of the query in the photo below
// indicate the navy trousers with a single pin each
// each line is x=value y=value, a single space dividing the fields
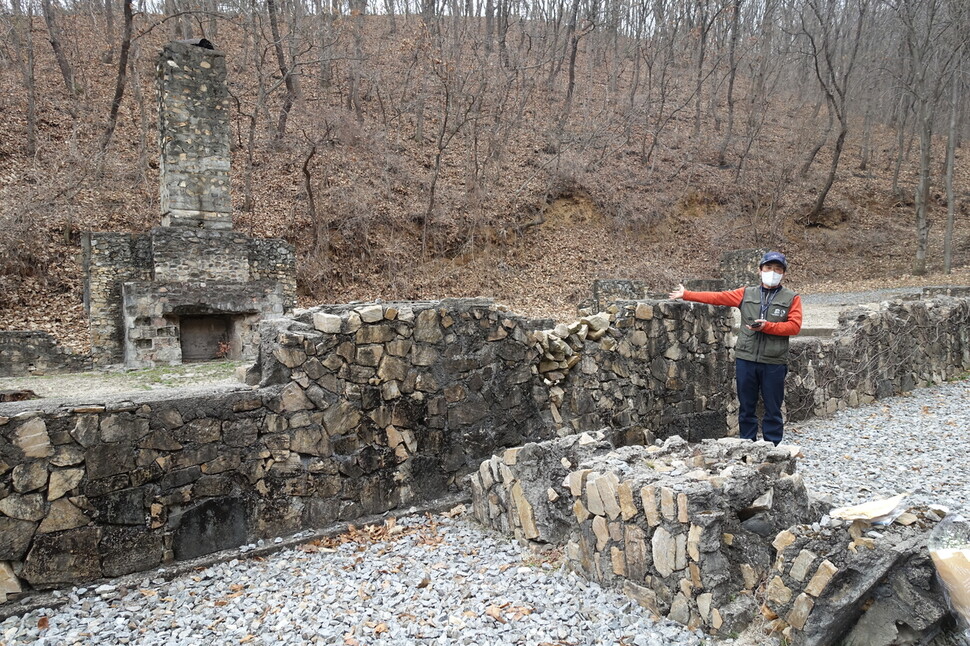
x=768 y=381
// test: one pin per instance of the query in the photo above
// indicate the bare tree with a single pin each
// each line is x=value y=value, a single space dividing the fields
x=21 y=35
x=834 y=41
x=927 y=29
x=54 y=36
x=285 y=67
x=122 y=78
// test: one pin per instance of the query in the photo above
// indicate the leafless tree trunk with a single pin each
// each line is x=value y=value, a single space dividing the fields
x=901 y=123
x=950 y=163
x=286 y=70
x=834 y=62
x=23 y=41
x=732 y=74
x=354 y=103
x=109 y=21
x=122 y=78
x=54 y=36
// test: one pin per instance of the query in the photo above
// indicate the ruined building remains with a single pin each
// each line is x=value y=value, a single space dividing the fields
x=191 y=289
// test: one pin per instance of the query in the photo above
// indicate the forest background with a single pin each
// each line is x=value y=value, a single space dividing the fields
x=517 y=149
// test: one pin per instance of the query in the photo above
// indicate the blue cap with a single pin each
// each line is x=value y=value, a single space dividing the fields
x=773 y=256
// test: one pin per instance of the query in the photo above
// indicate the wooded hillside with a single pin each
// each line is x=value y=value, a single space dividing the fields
x=509 y=149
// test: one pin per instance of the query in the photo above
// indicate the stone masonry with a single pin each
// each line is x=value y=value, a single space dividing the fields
x=193 y=121
x=716 y=535
x=878 y=352
x=36 y=353
x=139 y=285
x=368 y=407
x=361 y=409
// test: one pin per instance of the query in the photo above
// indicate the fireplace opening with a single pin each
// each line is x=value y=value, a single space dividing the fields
x=204 y=338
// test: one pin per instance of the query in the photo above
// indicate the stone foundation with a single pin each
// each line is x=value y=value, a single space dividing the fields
x=684 y=529
x=715 y=536
x=877 y=353
x=365 y=408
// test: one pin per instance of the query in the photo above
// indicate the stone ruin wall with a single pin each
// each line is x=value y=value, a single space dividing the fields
x=367 y=408
x=37 y=353
x=361 y=409
x=716 y=535
x=877 y=353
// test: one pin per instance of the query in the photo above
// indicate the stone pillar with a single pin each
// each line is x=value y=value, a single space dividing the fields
x=193 y=122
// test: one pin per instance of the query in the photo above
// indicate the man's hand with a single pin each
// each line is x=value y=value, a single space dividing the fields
x=678 y=293
x=756 y=325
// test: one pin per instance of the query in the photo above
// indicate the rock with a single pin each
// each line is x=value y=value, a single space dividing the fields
x=328 y=323
x=23 y=507
x=62 y=481
x=9 y=583
x=31 y=438
x=85 y=431
x=67 y=455
x=105 y=460
x=800 y=566
x=293 y=399
x=826 y=570
x=15 y=536
x=664 y=552
x=371 y=313
x=125 y=550
x=64 y=557
x=61 y=516
x=29 y=476
x=290 y=357
x=426 y=327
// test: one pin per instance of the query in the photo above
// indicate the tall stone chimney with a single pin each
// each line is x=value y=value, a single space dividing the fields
x=193 y=123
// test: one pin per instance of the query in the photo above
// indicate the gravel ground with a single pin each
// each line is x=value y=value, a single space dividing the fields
x=438 y=581
x=915 y=443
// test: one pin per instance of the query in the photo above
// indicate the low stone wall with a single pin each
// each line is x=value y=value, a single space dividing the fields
x=716 y=535
x=684 y=529
x=877 y=353
x=367 y=407
x=37 y=353
x=361 y=409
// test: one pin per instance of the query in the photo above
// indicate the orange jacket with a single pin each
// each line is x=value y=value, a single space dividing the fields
x=733 y=298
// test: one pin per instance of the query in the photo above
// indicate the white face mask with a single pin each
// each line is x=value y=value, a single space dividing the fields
x=770 y=278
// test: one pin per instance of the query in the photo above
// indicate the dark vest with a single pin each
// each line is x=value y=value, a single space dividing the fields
x=758 y=346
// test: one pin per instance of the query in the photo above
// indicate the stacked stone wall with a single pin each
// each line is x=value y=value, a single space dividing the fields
x=719 y=535
x=274 y=260
x=651 y=366
x=109 y=260
x=878 y=353
x=37 y=353
x=199 y=255
x=670 y=526
x=362 y=409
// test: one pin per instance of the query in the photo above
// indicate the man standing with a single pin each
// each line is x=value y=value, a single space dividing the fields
x=770 y=314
